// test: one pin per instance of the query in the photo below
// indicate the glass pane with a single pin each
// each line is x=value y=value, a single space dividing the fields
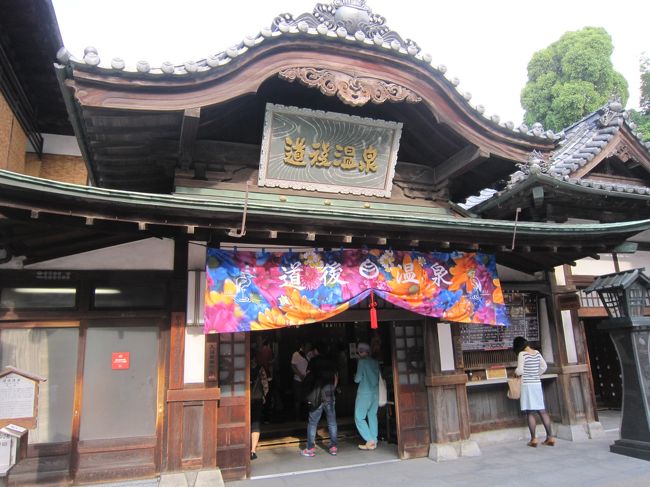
x=401 y=367
x=130 y=296
x=240 y=348
x=403 y=379
x=239 y=389
x=400 y=343
x=401 y=354
x=119 y=403
x=240 y=375
x=240 y=362
x=51 y=353
x=399 y=331
x=37 y=297
x=414 y=379
x=225 y=349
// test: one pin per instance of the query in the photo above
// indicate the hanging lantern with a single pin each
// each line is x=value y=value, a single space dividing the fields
x=373 y=311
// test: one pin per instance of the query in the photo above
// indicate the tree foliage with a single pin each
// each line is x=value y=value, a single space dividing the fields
x=571 y=78
x=642 y=117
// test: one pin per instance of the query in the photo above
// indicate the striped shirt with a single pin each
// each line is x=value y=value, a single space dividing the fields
x=530 y=366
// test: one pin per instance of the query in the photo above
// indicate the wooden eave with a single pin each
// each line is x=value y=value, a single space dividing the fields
x=304 y=221
x=97 y=94
x=565 y=200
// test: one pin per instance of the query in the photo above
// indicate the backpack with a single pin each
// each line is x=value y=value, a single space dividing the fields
x=257 y=390
x=314 y=398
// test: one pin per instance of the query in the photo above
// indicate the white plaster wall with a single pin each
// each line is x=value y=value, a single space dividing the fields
x=194 y=371
x=593 y=267
x=634 y=261
x=65 y=145
x=569 y=339
x=148 y=254
x=446 y=347
x=196 y=256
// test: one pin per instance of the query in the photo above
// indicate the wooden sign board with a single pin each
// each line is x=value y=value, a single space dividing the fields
x=568 y=301
x=325 y=151
x=496 y=373
x=19 y=397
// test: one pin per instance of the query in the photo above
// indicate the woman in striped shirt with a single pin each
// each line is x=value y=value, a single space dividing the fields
x=530 y=366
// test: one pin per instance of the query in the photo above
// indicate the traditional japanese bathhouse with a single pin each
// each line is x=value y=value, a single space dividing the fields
x=331 y=146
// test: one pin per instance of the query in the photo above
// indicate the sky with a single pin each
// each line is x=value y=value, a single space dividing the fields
x=487 y=44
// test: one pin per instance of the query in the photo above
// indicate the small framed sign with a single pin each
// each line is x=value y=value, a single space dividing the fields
x=120 y=360
x=330 y=152
x=496 y=373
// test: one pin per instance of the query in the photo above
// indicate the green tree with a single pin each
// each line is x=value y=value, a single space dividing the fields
x=571 y=78
x=642 y=117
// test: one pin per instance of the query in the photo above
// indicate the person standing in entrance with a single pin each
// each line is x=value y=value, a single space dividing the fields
x=299 y=362
x=259 y=390
x=367 y=400
x=322 y=397
x=530 y=366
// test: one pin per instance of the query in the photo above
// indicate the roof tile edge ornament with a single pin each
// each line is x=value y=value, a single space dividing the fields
x=613 y=113
x=351 y=90
x=534 y=165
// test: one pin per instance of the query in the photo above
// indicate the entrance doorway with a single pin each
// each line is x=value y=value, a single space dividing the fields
x=284 y=423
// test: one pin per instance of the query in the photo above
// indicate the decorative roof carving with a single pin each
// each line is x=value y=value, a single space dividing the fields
x=351 y=90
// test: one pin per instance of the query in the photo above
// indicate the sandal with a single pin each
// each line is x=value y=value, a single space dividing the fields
x=550 y=441
x=533 y=443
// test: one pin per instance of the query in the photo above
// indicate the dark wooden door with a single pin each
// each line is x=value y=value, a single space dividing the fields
x=233 y=427
x=411 y=404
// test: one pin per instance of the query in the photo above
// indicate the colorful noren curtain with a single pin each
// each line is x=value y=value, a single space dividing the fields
x=247 y=291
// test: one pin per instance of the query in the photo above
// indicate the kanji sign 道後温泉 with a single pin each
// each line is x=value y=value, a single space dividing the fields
x=325 y=151
x=261 y=290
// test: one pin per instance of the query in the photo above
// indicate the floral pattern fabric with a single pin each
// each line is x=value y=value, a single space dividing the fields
x=247 y=291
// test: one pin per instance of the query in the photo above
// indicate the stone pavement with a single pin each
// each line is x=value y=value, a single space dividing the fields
x=586 y=463
x=511 y=463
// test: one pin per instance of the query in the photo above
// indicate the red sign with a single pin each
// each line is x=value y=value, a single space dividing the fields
x=120 y=360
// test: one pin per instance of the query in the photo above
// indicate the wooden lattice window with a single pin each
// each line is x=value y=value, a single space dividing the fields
x=409 y=352
x=232 y=364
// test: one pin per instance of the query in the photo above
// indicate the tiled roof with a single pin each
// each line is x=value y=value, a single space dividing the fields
x=618 y=280
x=581 y=142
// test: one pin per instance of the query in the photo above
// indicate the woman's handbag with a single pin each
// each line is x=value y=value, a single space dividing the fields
x=383 y=393
x=514 y=387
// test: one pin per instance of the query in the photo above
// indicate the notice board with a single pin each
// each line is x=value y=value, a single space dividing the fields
x=524 y=321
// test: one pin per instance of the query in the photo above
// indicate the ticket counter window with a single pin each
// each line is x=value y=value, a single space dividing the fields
x=119 y=391
x=50 y=353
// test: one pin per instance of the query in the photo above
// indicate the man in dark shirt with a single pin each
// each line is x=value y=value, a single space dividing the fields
x=322 y=384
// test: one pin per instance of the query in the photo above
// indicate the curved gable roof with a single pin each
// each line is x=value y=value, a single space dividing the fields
x=351 y=48
x=602 y=134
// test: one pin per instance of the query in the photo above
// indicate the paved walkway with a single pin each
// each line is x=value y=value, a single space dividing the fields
x=574 y=464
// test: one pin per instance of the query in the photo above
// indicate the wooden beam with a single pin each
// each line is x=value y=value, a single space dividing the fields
x=461 y=162
x=189 y=130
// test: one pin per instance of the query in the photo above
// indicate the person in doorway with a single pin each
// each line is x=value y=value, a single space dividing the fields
x=259 y=390
x=299 y=362
x=367 y=400
x=321 y=397
x=530 y=366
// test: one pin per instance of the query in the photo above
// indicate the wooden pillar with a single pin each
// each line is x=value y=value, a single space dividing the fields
x=172 y=444
x=445 y=381
x=577 y=402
